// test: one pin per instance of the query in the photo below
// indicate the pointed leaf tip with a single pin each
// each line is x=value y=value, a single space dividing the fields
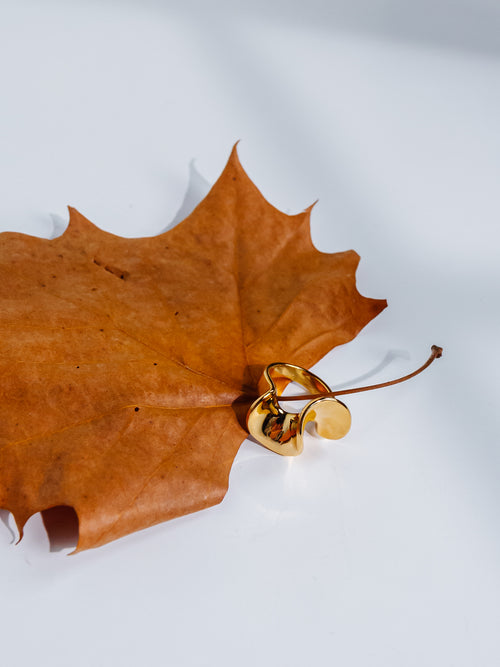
x=234 y=158
x=78 y=223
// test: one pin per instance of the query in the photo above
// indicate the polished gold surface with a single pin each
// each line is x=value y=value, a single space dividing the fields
x=281 y=431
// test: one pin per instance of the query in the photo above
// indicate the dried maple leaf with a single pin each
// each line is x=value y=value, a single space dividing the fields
x=124 y=361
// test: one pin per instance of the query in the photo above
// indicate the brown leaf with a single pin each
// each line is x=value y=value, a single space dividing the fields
x=124 y=362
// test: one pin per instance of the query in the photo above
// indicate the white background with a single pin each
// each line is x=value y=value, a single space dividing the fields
x=382 y=549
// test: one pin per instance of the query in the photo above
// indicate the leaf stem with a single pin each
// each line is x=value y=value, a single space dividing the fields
x=435 y=354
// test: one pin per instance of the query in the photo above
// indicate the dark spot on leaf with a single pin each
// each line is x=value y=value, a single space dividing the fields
x=176 y=312
x=136 y=409
x=154 y=363
x=111 y=269
x=101 y=329
x=234 y=178
x=78 y=366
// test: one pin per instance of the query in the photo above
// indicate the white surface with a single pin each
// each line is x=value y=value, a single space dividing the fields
x=379 y=550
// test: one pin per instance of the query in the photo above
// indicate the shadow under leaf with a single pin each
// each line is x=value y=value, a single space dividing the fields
x=61 y=524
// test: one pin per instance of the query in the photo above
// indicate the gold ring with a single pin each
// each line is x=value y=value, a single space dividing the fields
x=281 y=431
